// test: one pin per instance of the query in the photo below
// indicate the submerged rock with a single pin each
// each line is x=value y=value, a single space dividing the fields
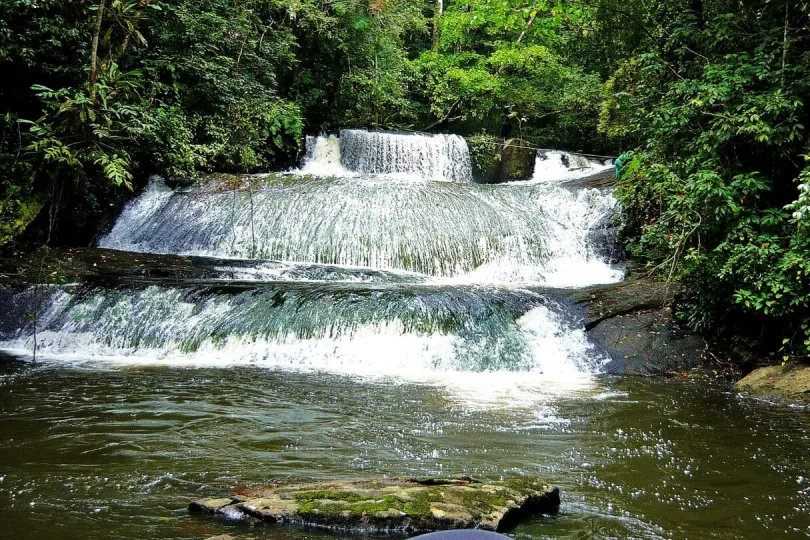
x=391 y=505
x=791 y=382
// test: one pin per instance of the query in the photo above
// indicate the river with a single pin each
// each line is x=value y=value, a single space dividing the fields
x=374 y=313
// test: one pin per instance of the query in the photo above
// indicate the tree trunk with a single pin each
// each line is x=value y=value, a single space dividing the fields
x=437 y=14
x=94 y=51
x=784 y=46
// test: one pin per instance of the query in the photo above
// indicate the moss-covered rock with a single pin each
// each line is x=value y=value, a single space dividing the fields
x=391 y=505
x=517 y=161
x=496 y=160
x=790 y=382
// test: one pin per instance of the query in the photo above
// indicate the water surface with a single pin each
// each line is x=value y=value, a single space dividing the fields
x=93 y=452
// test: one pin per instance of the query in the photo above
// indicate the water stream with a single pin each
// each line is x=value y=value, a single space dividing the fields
x=382 y=315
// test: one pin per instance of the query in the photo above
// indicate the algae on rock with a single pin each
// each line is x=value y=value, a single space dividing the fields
x=790 y=382
x=391 y=505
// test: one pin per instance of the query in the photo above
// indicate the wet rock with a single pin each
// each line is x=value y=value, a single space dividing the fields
x=638 y=292
x=509 y=161
x=629 y=322
x=602 y=179
x=789 y=382
x=647 y=343
x=517 y=161
x=606 y=243
x=221 y=537
x=391 y=505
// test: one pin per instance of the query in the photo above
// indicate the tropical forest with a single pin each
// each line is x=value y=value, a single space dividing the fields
x=385 y=269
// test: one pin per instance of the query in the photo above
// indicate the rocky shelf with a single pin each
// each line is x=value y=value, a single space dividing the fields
x=416 y=505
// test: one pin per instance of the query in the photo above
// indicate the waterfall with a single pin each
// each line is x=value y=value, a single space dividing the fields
x=359 y=263
x=555 y=166
x=410 y=156
x=322 y=157
x=378 y=330
x=532 y=233
x=432 y=157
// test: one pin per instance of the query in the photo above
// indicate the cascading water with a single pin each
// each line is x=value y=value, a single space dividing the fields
x=358 y=263
x=431 y=157
x=461 y=231
x=556 y=166
x=357 y=330
x=536 y=231
x=409 y=329
x=322 y=157
x=403 y=156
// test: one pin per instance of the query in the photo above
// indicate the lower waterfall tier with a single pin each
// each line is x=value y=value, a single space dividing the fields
x=358 y=329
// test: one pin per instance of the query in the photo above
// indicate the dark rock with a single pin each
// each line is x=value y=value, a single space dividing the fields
x=647 y=343
x=517 y=161
x=603 y=179
x=391 y=505
x=629 y=322
x=638 y=292
x=510 y=161
x=607 y=244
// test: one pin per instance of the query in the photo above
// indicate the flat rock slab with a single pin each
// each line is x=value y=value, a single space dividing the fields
x=391 y=505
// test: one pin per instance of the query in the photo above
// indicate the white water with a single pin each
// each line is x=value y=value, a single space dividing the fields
x=541 y=234
x=556 y=166
x=323 y=157
x=395 y=156
x=488 y=359
x=372 y=269
x=422 y=156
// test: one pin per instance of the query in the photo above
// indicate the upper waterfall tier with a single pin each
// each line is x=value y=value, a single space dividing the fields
x=415 y=155
x=526 y=233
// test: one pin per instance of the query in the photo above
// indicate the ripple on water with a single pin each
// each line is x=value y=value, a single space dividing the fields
x=123 y=450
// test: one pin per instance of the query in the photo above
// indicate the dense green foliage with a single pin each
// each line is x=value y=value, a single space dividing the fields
x=716 y=107
x=711 y=95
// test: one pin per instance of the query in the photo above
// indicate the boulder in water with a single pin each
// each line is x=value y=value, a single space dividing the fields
x=391 y=505
x=790 y=382
x=631 y=323
x=647 y=342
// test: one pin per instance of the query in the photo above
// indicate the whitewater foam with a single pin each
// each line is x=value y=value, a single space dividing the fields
x=444 y=230
x=558 y=166
x=487 y=359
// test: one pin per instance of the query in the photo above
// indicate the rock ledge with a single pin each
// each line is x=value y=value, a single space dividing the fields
x=391 y=505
